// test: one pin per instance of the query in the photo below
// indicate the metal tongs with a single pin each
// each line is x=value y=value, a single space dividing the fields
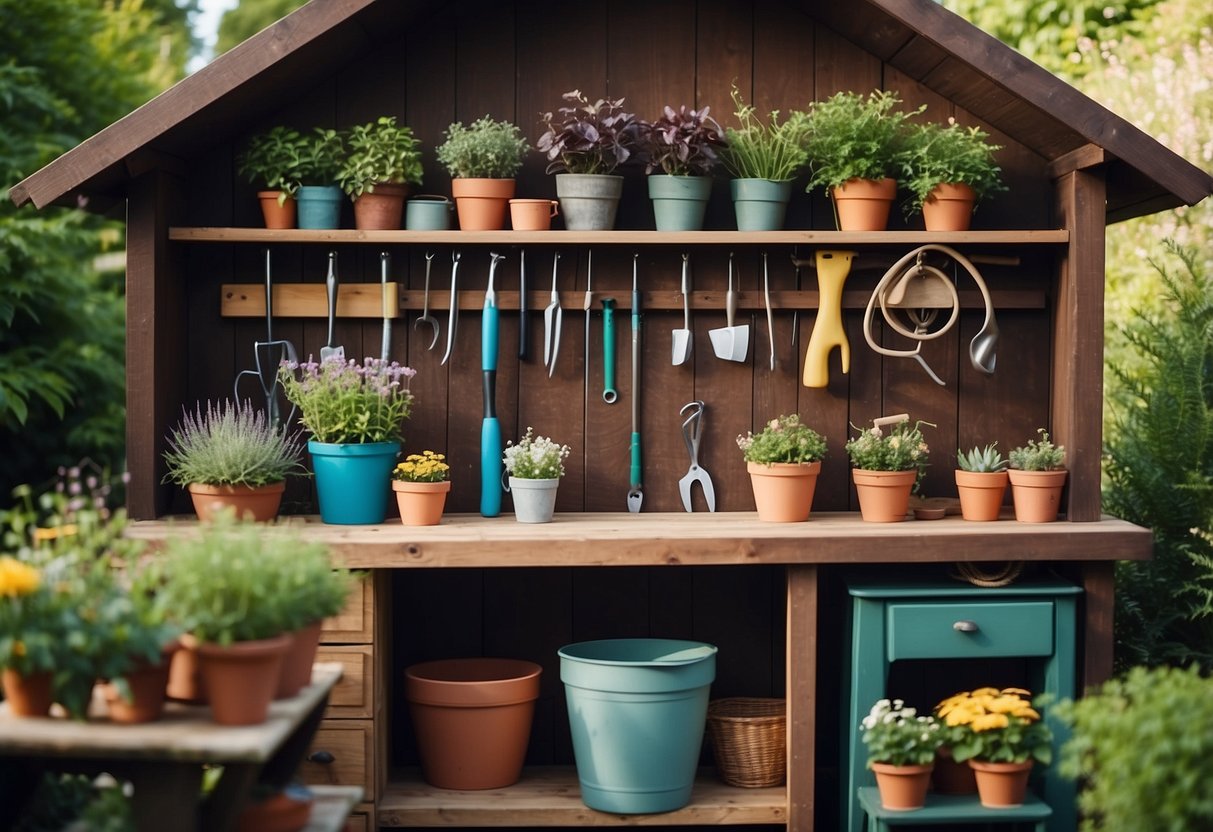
x=692 y=432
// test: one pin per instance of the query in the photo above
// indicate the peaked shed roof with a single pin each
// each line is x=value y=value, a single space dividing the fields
x=918 y=37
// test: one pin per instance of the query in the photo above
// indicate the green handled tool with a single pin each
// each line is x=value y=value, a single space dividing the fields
x=635 y=495
x=490 y=431
x=609 y=394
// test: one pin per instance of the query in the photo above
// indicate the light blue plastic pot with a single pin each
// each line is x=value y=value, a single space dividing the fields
x=319 y=206
x=760 y=204
x=637 y=708
x=353 y=481
x=679 y=202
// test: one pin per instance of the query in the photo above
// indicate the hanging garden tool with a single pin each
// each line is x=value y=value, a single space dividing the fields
x=452 y=315
x=832 y=270
x=553 y=318
x=385 y=345
x=692 y=433
x=426 y=317
x=681 y=342
x=587 y=303
x=331 y=350
x=523 y=312
x=919 y=291
x=731 y=342
x=609 y=394
x=268 y=355
x=766 y=295
x=635 y=495
x=490 y=431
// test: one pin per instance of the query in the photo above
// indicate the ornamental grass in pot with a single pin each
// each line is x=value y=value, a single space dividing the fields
x=783 y=461
x=981 y=482
x=684 y=145
x=1037 y=475
x=949 y=170
x=272 y=159
x=383 y=159
x=889 y=458
x=763 y=159
x=482 y=159
x=901 y=752
x=534 y=466
x=421 y=484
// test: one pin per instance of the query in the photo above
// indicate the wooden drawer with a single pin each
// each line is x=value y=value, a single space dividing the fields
x=342 y=754
x=356 y=623
x=938 y=631
x=358 y=822
x=353 y=697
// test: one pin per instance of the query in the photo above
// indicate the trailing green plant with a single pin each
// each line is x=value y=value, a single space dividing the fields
x=985 y=460
x=683 y=142
x=588 y=137
x=775 y=150
x=899 y=736
x=535 y=457
x=321 y=154
x=1039 y=454
x=851 y=136
x=485 y=149
x=950 y=155
x=783 y=439
x=230 y=444
x=995 y=726
x=347 y=402
x=274 y=158
x=1142 y=750
x=381 y=151
x=900 y=447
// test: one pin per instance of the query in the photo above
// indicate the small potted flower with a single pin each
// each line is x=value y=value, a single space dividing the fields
x=535 y=466
x=31 y=631
x=383 y=159
x=981 y=481
x=355 y=413
x=482 y=159
x=783 y=461
x=421 y=486
x=889 y=458
x=230 y=455
x=901 y=752
x=1001 y=735
x=1037 y=475
x=684 y=145
x=763 y=159
x=950 y=170
x=273 y=159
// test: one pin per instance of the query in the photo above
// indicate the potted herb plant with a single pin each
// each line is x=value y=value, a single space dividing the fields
x=783 y=461
x=685 y=146
x=584 y=142
x=318 y=590
x=273 y=159
x=901 y=752
x=322 y=152
x=858 y=148
x=355 y=413
x=949 y=170
x=383 y=158
x=1037 y=476
x=32 y=628
x=763 y=158
x=535 y=466
x=889 y=459
x=230 y=455
x=421 y=484
x=981 y=481
x=482 y=159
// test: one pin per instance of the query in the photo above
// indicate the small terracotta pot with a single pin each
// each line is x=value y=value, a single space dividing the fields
x=381 y=209
x=884 y=496
x=297 y=663
x=951 y=777
x=783 y=491
x=30 y=695
x=1001 y=785
x=481 y=203
x=533 y=214
x=148 y=683
x=421 y=503
x=1036 y=494
x=259 y=503
x=287 y=811
x=902 y=787
x=949 y=207
x=863 y=204
x=185 y=682
x=242 y=677
x=981 y=493
x=277 y=215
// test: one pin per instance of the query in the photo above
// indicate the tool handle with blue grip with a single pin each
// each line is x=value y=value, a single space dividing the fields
x=634 y=472
x=491 y=466
x=488 y=338
x=609 y=394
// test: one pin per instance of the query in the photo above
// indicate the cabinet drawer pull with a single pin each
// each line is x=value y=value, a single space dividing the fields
x=322 y=757
x=965 y=626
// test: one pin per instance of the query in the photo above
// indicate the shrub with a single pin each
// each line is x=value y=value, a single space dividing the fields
x=486 y=149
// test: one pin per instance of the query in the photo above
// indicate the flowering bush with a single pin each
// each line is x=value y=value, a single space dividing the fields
x=901 y=448
x=426 y=466
x=784 y=439
x=995 y=726
x=899 y=736
x=345 y=402
x=535 y=458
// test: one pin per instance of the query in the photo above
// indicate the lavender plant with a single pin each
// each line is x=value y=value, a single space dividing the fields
x=344 y=402
x=230 y=444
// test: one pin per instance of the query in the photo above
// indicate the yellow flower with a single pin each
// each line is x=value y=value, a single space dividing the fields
x=1026 y=712
x=17 y=578
x=985 y=692
x=1019 y=691
x=18 y=648
x=989 y=722
x=1005 y=704
x=959 y=716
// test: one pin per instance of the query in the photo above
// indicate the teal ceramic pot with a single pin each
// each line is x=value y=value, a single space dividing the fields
x=760 y=204
x=319 y=206
x=428 y=212
x=353 y=481
x=679 y=202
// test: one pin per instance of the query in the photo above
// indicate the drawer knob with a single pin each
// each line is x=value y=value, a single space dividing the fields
x=322 y=757
x=965 y=626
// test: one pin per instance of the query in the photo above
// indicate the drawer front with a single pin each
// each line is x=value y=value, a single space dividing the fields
x=342 y=754
x=938 y=631
x=353 y=697
x=357 y=823
x=355 y=623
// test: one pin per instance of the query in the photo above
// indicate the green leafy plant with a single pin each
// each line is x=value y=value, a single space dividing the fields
x=321 y=155
x=900 y=448
x=900 y=736
x=535 y=457
x=683 y=142
x=34 y=617
x=1039 y=454
x=381 y=151
x=775 y=150
x=426 y=466
x=588 y=137
x=950 y=155
x=348 y=402
x=230 y=444
x=851 y=136
x=784 y=439
x=274 y=158
x=1142 y=750
x=985 y=460
x=485 y=149
x=316 y=587
x=995 y=726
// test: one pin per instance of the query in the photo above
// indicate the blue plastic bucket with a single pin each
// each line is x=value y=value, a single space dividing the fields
x=353 y=481
x=319 y=206
x=637 y=708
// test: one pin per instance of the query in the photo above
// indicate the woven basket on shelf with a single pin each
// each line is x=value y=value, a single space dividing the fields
x=749 y=740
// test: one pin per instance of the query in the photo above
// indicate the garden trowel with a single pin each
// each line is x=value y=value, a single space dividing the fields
x=331 y=350
x=731 y=342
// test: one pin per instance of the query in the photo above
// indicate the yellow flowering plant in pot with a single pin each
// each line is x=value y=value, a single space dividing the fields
x=783 y=461
x=32 y=625
x=901 y=752
x=421 y=484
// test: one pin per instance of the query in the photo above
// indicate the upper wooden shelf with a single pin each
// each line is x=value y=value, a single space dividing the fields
x=560 y=238
x=700 y=539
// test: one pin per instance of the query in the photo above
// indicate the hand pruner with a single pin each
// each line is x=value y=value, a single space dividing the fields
x=692 y=432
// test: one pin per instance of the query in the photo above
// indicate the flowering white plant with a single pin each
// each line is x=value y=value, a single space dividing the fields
x=899 y=736
x=535 y=458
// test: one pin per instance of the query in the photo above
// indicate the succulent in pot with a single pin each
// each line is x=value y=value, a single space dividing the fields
x=482 y=159
x=901 y=752
x=763 y=158
x=783 y=461
x=1037 y=476
x=890 y=459
x=383 y=159
x=950 y=169
x=981 y=481
x=274 y=159
x=322 y=152
x=685 y=146
x=535 y=465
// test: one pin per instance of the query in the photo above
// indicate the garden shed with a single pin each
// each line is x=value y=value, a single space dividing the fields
x=779 y=600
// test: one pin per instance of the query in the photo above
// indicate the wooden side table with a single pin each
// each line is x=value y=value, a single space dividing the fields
x=947 y=809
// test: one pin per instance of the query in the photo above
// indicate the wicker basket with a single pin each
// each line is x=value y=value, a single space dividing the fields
x=749 y=740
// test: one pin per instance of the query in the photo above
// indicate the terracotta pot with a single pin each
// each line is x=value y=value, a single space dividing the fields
x=863 y=204
x=783 y=491
x=481 y=203
x=533 y=214
x=259 y=503
x=884 y=496
x=1001 y=785
x=185 y=682
x=981 y=494
x=242 y=677
x=286 y=811
x=949 y=208
x=951 y=777
x=148 y=683
x=902 y=787
x=1037 y=494
x=380 y=209
x=473 y=719
x=421 y=503
x=30 y=695
x=297 y=663
x=277 y=215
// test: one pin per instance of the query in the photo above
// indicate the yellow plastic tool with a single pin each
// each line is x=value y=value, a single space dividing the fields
x=832 y=270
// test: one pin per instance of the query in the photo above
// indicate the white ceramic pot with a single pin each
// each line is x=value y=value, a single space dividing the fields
x=534 y=500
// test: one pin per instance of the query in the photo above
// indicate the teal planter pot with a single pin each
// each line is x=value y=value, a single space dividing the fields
x=353 y=481
x=679 y=202
x=760 y=204
x=637 y=709
x=428 y=212
x=319 y=206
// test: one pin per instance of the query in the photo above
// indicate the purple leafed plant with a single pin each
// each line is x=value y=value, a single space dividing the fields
x=684 y=142
x=589 y=137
